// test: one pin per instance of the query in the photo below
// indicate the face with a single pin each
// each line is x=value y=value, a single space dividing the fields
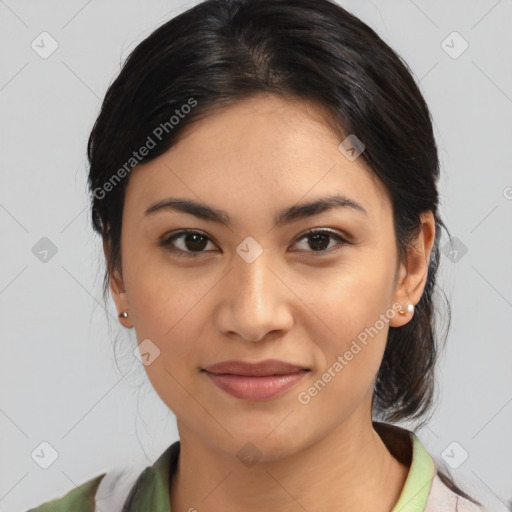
x=264 y=279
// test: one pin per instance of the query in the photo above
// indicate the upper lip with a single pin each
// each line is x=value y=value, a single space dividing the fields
x=259 y=369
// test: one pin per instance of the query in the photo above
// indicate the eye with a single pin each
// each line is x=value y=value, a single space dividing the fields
x=319 y=240
x=191 y=243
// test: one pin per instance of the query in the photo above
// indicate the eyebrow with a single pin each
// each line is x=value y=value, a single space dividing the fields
x=285 y=216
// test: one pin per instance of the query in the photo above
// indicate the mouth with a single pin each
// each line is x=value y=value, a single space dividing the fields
x=255 y=381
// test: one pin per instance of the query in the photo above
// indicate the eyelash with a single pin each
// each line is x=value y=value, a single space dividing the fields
x=166 y=242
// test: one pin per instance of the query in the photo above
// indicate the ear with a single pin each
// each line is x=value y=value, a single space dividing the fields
x=412 y=276
x=117 y=289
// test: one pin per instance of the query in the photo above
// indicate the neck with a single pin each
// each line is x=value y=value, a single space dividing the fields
x=349 y=470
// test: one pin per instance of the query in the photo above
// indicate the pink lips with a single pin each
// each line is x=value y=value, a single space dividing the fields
x=255 y=381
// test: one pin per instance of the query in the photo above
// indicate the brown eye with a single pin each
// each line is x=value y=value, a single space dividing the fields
x=193 y=243
x=187 y=243
x=319 y=241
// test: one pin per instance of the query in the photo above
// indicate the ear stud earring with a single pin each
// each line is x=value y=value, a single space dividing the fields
x=410 y=309
x=124 y=314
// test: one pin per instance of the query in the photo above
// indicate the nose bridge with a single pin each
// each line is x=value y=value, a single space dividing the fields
x=255 y=283
x=254 y=301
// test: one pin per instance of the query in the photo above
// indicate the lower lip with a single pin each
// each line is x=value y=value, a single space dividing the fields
x=256 y=388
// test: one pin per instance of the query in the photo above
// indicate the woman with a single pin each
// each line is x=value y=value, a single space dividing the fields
x=264 y=178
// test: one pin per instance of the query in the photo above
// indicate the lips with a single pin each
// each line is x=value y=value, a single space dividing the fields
x=260 y=369
x=255 y=381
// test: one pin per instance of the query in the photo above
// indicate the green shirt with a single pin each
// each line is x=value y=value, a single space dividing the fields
x=423 y=491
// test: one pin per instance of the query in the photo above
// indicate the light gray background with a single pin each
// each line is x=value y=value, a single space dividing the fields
x=59 y=380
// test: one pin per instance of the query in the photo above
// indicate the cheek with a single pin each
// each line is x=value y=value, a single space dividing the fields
x=351 y=297
x=168 y=309
x=353 y=306
x=169 y=316
x=161 y=295
x=173 y=327
x=351 y=357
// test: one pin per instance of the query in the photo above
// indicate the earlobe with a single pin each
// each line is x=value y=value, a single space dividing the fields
x=404 y=315
x=406 y=311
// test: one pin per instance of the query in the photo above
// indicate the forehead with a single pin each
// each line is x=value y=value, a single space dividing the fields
x=262 y=152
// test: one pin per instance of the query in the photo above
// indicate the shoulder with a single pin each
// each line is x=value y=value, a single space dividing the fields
x=80 y=499
x=119 y=487
x=429 y=486
x=443 y=499
x=106 y=491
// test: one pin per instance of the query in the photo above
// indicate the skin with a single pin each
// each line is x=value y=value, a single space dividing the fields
x=292 y=303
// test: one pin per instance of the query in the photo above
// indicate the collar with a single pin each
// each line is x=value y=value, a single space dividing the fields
x=417 y=486
x=151 y=490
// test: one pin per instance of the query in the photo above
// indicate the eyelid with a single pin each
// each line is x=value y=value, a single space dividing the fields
x=166 y=240
x=342 y=239
x=312 y=231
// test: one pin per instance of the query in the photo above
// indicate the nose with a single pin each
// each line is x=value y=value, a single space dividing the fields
x=256 y=303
